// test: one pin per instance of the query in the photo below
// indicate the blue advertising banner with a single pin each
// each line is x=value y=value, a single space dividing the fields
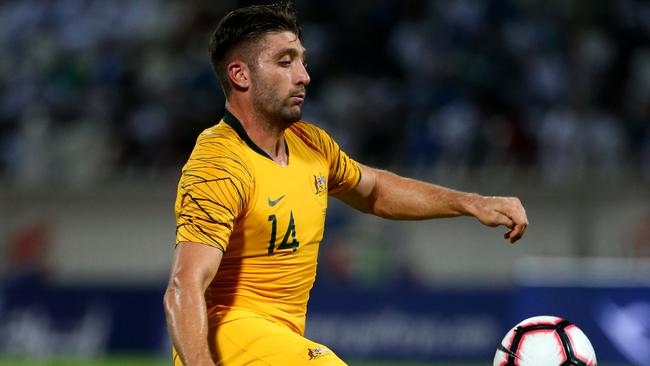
x=409 y=324
x=616 y=319
x=359 y=324
x=84 y=321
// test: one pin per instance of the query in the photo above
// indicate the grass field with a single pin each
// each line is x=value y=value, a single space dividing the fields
x=149 y=361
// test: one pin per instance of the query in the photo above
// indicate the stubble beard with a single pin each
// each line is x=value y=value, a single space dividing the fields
x=274 y=108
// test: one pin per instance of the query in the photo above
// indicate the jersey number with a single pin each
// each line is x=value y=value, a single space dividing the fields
x=291 y=231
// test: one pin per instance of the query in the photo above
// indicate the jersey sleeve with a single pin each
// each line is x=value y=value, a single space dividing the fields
x=344 y=172
x=212 y=193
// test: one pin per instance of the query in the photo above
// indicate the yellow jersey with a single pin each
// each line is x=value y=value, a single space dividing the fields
x=267 y=219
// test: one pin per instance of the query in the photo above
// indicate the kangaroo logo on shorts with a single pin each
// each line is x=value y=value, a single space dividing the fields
x=316 y=352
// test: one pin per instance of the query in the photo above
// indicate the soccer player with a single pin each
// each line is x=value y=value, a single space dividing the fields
x=252 y=200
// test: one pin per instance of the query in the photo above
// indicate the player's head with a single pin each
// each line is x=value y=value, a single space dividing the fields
x=257 y=50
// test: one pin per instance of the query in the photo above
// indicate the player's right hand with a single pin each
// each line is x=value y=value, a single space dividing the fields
x=506 y=211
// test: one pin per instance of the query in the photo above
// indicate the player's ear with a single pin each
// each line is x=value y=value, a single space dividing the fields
x=239 y=74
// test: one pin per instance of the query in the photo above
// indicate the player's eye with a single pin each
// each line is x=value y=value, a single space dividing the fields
x=285 y=63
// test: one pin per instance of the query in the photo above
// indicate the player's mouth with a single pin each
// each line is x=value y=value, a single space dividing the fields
x=299 y=98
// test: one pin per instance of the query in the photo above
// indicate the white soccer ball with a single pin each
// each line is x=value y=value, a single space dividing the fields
x=545 y=341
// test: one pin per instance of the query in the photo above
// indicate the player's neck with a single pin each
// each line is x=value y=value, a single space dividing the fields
x=267 y=136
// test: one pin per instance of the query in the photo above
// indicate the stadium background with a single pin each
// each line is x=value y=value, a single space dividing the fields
x=100 y=103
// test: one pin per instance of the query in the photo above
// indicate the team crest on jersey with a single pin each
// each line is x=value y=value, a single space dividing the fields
x=320 y=183
x=317 y=352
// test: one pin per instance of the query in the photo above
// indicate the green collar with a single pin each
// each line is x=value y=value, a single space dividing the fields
x=233 y=122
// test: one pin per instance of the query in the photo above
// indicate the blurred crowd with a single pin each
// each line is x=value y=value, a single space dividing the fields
x=92 y=89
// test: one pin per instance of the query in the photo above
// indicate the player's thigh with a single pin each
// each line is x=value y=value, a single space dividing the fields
x=257 y=341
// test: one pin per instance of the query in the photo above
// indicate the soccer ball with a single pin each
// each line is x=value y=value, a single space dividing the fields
x=545 y=341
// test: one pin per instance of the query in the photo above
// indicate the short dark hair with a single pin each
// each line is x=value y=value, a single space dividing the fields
x=243 y=27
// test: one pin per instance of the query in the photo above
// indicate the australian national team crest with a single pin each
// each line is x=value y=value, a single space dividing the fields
x=316 y=352
x=320 y=183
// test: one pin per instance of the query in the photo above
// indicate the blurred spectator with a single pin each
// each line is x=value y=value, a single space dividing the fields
x=561 y=137
x=28 y=254
x=92 y=89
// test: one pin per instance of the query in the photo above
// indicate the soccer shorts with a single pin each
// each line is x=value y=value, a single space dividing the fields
x=259 y=341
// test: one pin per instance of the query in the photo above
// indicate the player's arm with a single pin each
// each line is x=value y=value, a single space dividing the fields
x=388 y=195
x=194 y=267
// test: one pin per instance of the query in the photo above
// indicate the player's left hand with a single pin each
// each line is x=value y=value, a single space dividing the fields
x=506 y=211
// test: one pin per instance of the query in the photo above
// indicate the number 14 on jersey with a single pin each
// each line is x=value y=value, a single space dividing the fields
x=291 y=232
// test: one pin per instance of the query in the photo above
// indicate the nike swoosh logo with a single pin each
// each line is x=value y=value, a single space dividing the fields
x=275 y=201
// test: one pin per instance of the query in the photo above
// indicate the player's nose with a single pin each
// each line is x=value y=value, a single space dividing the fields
x=302 y=76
